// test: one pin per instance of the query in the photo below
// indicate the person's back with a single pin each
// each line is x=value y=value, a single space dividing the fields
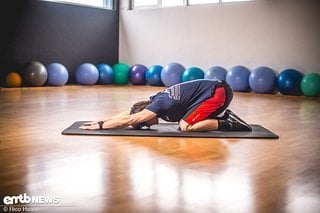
x=176 y=101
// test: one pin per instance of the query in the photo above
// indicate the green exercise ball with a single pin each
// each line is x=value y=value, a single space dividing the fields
x=120 y=73
x=310 y=84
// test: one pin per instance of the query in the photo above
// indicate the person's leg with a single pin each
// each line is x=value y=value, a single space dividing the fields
x=208 y=107
x=214 y=106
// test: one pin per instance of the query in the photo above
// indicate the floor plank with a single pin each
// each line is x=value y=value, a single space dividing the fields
x=142 y=174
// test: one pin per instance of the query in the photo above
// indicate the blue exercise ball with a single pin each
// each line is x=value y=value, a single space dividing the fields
x=192 y=73
x=137 y=74
x=216 y=72
x=87 y=74
x=153 y=75
x=262 y=80
x=58 y=74
x=105 y=74
x=289 y=82
x=171 y=74
x=238 y=78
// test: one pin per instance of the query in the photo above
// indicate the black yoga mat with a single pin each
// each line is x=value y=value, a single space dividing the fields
x=171 y=130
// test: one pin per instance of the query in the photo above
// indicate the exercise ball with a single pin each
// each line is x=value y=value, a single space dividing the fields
x=310 y=85
x=153 y=75
x=57 y=74
x=172 y=74
x=238 y=78
x=35 y=74
x=13 y=79
x=289 y=82
x=192 y=73
x=120 y=73
x=137 y=74
x=105 y=74
x=262 y=80
x=87 y=74
x=216 y=72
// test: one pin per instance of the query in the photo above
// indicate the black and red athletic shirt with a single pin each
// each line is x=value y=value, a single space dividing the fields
x=175 y=102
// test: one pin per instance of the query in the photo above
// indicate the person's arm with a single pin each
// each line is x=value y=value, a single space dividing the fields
x=205 y=125
x=121 y=120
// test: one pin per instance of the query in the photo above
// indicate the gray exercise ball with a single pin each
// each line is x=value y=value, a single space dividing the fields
x=35 y=74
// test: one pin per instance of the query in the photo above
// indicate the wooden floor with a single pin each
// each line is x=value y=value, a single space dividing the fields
x=142 y=174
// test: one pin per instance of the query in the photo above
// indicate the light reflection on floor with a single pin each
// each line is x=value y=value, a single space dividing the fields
x=187 y=187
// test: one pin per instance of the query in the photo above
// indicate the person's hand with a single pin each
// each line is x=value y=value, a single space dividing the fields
x=90 y=123
x=93 y=125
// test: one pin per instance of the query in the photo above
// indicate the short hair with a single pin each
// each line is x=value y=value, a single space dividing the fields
x=138 y=107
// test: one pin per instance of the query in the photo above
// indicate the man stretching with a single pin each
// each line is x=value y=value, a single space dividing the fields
x=195 y=104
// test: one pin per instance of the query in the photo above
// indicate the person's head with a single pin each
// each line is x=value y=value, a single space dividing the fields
x=138 y=107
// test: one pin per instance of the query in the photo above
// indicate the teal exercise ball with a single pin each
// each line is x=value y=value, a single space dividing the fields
x=192 y=73
x=153 y=75
x=310 y=84
x=105 y=74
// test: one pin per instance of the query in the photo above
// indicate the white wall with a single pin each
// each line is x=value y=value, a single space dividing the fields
x=276 y=33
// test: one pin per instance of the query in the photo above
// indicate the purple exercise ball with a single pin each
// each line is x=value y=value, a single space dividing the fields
x=137 y=74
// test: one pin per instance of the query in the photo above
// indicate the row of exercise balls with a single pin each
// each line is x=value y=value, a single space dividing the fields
x=260 y=80
x=241 y=79
x=120 y=73
x=155 y=75
x=138 y=74
x=56 y=74
x=265 y=80
x=36 y=74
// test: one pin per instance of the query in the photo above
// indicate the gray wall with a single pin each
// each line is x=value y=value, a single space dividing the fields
x=34 y=30
x=277 y=33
